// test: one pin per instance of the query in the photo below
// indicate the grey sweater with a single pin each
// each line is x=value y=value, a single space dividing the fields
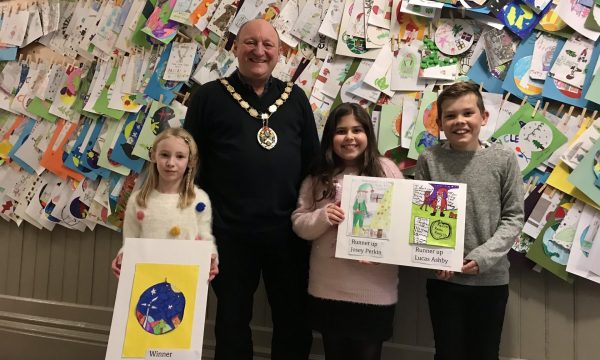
x=494 y=215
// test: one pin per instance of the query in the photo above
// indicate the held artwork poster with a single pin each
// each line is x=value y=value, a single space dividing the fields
x=381 y=226
x=161 y=298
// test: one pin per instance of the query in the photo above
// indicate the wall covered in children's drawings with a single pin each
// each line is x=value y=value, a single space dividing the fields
x=85 y=85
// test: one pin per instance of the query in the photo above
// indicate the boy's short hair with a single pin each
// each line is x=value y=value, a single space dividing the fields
x=457 y=90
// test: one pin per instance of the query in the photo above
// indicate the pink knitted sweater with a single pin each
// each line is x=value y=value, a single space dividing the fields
x=341 y=279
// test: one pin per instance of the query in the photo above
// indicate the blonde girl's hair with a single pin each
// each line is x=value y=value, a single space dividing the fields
x=186 y=188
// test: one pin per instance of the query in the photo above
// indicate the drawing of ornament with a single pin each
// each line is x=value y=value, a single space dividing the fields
x=382 y=83
x=355 y=44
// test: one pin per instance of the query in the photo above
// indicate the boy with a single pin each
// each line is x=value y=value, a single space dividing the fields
x=467 y=309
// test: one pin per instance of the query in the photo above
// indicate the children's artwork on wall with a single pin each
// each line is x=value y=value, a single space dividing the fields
x=14 y=27
x=519 y=18
x=67 y=94
x=161 y=298
x=492 y=103
x=565 y=93
x=160 y=117
x=499 y=46
x=52 y=159
x=140 y=38
x=216 y=63
x=454 y=37
x=410 y=111
x=181 y=60
x=354 y=88
x=426 y=132
x=390 y=125
x=248 y=10
x=29 y=153
x=379 y=75
x=348 y=44
x=571 y=64
x=104 y=36
x=158 y=24
x=552 y=23
x=405 y=68
x=427 y=226
x=183 y=10
x=574 y=13
x=381 y=13
x=158 y=87
x=222 y=17
x=19 y=137
x=34 y=26
x=518 y=81
x=126 y=140
x=532 y=138
x=84 y=155
x=479 y=74
x=285 y=21
x=409 y=27
x=583 y=241
x=547 y=253
x=101 y=105
x=543 y=52
x=537 y=5
x=417 y=239
x=332 y=75
x=591 y=262
x=585 y=175
x=592 y=22
x=77 y=206
x=436 y=65
x=105 y=145
x=593 y=92
x=203 y=13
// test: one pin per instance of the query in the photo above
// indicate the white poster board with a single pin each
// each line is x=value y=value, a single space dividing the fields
x=161 y=298
x=403 y=222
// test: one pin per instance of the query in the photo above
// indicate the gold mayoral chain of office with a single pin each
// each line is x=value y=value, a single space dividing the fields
x=267 y=138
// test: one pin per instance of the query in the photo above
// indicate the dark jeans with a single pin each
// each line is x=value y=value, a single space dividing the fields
x=467 y=320
x=282 y=258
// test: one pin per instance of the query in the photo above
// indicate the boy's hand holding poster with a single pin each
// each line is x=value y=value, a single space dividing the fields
x=161 y=299
x=403 y=222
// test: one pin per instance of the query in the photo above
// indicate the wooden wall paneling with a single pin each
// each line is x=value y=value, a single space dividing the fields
x=57 y=263
x=15 y=250
x=28 y=257
x=42 y=265
x=586 y=342
x=560 y=315
x=116 y=241
x=533 y=316
x=4 y=255
x=102 y=257
x=511 y=336
x=71 y=273
x=86 y=267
